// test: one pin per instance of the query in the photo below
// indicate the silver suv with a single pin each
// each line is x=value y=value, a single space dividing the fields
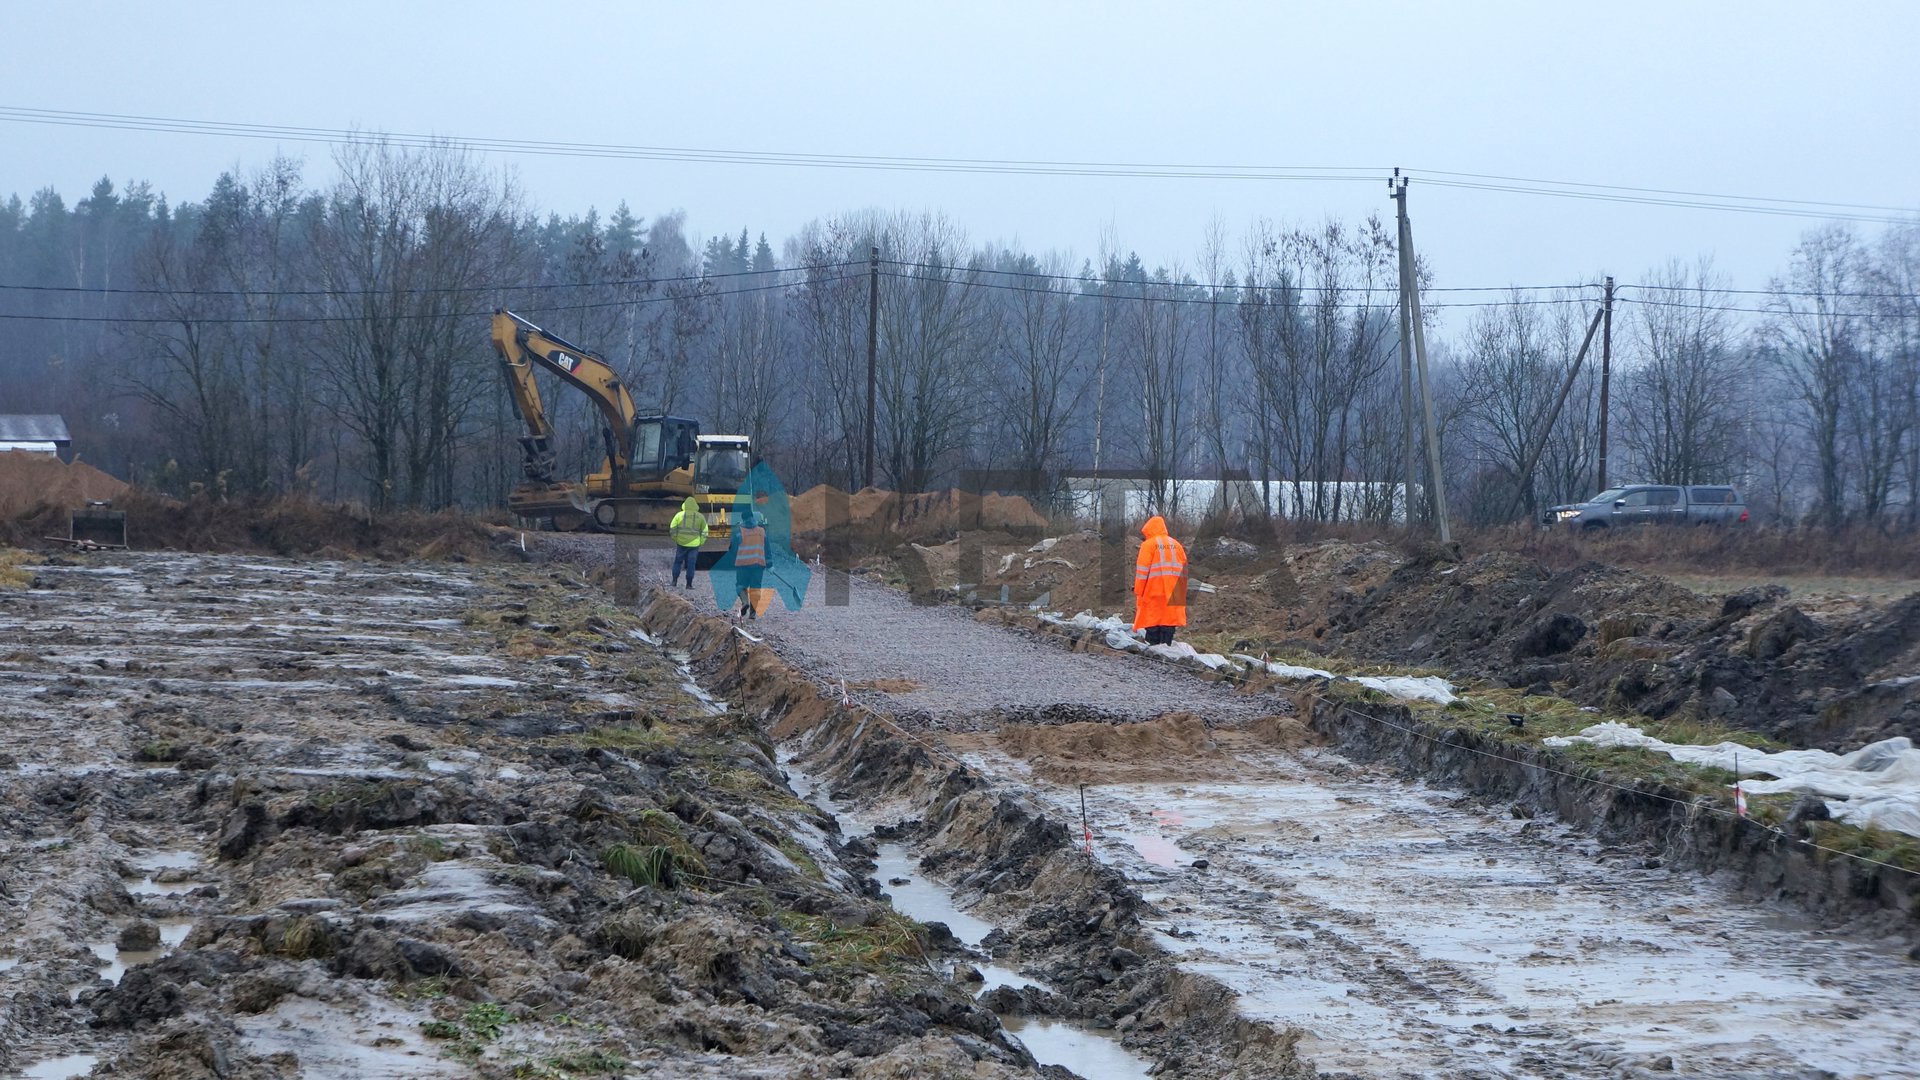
x=1653 y=504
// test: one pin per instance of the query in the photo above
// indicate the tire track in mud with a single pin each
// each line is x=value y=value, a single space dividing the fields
x=1484 y=944
x=390 y=821
x=1480 y=944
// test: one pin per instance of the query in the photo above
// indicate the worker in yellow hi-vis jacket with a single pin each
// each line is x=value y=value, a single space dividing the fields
x=689 y=531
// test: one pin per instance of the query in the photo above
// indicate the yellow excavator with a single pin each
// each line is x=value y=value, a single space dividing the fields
x=653 y=462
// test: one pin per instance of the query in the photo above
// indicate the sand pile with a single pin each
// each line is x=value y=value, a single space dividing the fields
x=928 y=512
x=28 y=481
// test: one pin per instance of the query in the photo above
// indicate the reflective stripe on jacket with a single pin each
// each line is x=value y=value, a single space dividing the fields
x=689 y=526
x=753 y=547
x=1159 y=578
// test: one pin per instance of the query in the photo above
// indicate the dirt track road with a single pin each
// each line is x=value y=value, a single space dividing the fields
x=949 y=670
x=1408 y=931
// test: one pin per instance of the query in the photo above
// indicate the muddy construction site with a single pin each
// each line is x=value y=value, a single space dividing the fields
x=276 y=817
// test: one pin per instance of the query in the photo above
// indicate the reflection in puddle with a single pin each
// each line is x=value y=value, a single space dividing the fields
x=374 y=1041
x=1051 y=1042
x=115 y=961
x=1090 y=1054
x=168 y=864
x=1157 y=850
x=62 y=1068
x=168 y=860
x=921 y=899
x=149 y=887
x=995 y=977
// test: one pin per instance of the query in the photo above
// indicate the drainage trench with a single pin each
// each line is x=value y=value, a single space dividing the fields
x=1297 y=900
x=1052 y=1041
x=1045 y=937
x=1065 y=1043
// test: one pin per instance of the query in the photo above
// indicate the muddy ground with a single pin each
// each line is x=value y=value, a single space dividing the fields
x=271 y=818
x=1808 y=666
x=333 y=819
x=1329 y=902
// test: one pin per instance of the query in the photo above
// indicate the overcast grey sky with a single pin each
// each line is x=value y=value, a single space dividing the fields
x=1782 y=100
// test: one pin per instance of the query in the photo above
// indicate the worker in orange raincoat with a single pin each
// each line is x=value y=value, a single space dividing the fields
x=1159 y=583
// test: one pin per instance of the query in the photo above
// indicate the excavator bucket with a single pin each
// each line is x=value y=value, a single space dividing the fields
x=97 y=525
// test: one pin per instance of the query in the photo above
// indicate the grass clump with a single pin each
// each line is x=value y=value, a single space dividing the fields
x=480 y=1025
x=435 y=848
x=798 y=855
x=1881 y=845
x=305 y=938
x=13 y=562
x=626 y=739
x=888 y=941
x=569 y=1063
x=653 y=866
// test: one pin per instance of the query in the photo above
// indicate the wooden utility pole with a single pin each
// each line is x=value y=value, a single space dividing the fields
x=873 y=350
x=1408 y=471
x=1606 y=374
x=1410 y=305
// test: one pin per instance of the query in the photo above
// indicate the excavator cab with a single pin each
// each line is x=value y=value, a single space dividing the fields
x=662 y=445
x=721 y=465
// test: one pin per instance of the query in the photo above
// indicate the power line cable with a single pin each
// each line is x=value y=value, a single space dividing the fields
x=1620 y=193
x=405 y=316
x=1387 y=297
x=1710 y=289
x=1220 y=286
x=1644 y=302
x=614 y=283
x=1890 y=218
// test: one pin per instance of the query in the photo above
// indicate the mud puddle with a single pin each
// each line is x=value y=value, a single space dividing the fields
x=62 y=1068
x=1407 y=931
x=372 y=1042
x=1086 y=1052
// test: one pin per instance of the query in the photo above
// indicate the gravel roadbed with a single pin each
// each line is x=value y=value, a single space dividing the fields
x=948 y=671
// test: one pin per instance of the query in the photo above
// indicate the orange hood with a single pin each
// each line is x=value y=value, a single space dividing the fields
x=1155 y=526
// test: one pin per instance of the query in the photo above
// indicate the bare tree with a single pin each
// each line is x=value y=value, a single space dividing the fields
x=830 y=308
x=1040 y=351
x=1814 y=334
x=1515 y=362
x=405 y=239
x=1221 y=392
x=1686 y=391
x=932 y=329
x=1316 y=322
x=1896 y=278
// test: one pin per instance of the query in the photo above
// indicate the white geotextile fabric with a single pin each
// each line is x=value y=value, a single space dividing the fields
x=1405 y=687
x=1119 y=635
x=1878 y=784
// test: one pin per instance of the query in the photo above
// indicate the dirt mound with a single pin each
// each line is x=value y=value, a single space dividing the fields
x=928 y=513
x=1627 y=641
x=277 y=526
x=1284 y=732
x=1174 y=746
x=31 y=481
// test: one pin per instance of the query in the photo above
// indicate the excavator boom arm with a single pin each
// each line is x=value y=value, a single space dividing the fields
x=521 y=345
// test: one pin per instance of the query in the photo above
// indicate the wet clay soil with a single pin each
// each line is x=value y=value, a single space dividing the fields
x=269 y=818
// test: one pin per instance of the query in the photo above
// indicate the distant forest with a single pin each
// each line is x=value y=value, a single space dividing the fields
x=278 y=337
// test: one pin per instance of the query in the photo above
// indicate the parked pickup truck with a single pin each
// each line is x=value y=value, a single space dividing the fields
x=1653 y=504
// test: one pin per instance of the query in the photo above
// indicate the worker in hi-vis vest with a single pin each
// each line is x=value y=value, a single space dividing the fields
x=689 y=531
x=748 y=547
x=1159 y=583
